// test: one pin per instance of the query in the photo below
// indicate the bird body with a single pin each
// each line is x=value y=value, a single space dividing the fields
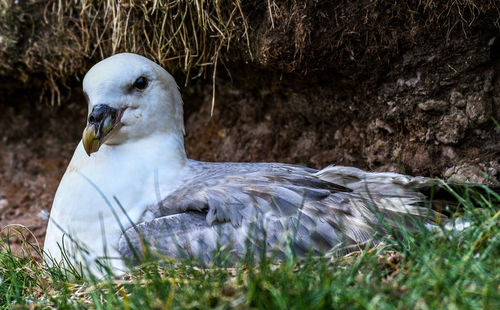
x=130 y=184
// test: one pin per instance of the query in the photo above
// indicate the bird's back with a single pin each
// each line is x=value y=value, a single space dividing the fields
x=232 y=203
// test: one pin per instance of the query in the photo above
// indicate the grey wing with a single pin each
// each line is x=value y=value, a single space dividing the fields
x=276 y=206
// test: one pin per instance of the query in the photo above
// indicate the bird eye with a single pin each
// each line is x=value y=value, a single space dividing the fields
x=141 y=83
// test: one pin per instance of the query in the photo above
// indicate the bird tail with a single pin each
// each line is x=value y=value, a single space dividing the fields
x=389 y=184
x=395 y=193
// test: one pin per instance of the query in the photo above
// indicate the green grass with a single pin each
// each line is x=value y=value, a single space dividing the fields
x=424 y=270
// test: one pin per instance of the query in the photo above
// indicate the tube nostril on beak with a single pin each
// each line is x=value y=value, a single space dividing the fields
x=100 y=112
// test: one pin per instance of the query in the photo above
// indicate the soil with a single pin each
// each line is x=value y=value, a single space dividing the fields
x=407 y=104
x=37 y=142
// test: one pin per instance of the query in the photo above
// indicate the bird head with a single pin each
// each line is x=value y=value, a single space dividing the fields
x=129 y=97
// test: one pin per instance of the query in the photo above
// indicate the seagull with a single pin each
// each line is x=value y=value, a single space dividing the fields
x=130 y=187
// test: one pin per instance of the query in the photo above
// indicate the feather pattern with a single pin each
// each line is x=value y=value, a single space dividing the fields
x=270 y=204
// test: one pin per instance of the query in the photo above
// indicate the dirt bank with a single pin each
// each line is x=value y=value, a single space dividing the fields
x=412 y=87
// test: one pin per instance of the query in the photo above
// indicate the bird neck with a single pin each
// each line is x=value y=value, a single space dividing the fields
x=174 y=142
x=165 y=146
x=155 y=149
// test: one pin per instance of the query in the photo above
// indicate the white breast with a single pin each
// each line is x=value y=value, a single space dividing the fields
x=131 y=173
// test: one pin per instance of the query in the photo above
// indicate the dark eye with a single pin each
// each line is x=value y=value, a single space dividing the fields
x=141 y=83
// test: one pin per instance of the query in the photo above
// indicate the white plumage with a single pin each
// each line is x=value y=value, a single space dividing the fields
x=134 y=137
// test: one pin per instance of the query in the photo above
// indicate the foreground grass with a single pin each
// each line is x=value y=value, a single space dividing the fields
x=426 y=270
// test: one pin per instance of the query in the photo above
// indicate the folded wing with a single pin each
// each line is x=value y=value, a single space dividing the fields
x=276 y=206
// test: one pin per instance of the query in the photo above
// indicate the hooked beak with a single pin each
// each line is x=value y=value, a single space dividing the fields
x=102 y=121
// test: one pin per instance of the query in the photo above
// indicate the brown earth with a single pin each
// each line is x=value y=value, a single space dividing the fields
x=373 y=85
x=37 y=143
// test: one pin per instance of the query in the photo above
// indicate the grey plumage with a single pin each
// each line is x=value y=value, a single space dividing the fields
x=232 y=204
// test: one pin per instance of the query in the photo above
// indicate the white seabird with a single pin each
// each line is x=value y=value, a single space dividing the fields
x=130 y=183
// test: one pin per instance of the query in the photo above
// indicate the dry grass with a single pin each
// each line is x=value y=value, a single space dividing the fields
x=186 y=35
x=52 y=42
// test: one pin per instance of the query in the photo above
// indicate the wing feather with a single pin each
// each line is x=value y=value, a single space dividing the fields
x=334 y=207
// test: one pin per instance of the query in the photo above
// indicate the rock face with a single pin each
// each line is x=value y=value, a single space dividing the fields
x=479 y=108
x=452 y=127
x=433 y=105
x=375 y=84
